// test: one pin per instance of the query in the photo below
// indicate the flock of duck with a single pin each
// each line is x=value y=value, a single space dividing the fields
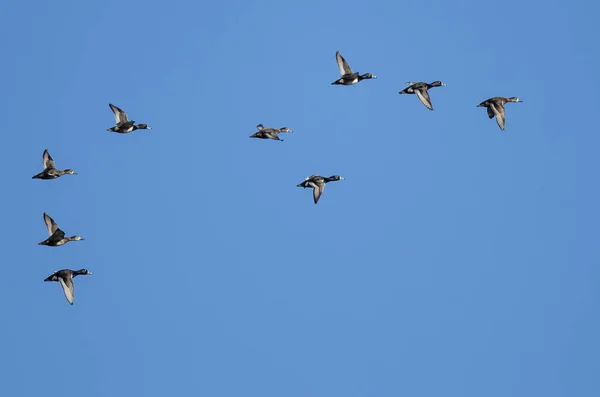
x=57 y=237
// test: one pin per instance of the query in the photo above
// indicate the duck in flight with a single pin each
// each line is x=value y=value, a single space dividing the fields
x=348 y=76
x=421 y=90
x=50 y=171
x=65 y=278
x=269 y=133
x=124 y=125
x=495 y=108
x=317 y=183
x=57 y=236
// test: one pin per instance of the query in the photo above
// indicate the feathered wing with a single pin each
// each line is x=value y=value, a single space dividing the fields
x=50 y=224
x=423 y=96
x=342 y=64
x=316 y=194
x=68 y=288
x=317 y=191
x=498 y=110
x=47 y=160
x=120 y=115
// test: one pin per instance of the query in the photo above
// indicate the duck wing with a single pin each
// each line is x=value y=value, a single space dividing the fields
x=499 y=112
x=423 y=96
x=317 y=190
x=120 y=115
x=342 y=64
x=47 y=160
x=68 y=288
x=50 y=224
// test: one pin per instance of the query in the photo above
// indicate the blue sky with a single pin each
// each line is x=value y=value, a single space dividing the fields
x=455 y=259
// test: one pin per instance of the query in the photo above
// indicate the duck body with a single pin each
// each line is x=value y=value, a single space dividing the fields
x=65 y=278
x=269 y=133
x=348 y=77
x=128 y=127
x=50 y=171
x=495 y=108
x=124 y=125
x=317 y=183
x=266 y=135
x=57 y=236
x=421 y=90
x=351 y=79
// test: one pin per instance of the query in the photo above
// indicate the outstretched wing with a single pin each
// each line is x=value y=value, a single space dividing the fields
x=423 y=96
x=50 y=224
x=498 y=110
x=47 y=160
x=317 y=191
x=342 y=64
x=68 y=288
x=120 y=115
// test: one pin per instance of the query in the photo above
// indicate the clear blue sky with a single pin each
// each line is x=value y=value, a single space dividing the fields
x=454 y=260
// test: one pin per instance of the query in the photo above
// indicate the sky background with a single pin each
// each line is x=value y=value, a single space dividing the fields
x=454 y=260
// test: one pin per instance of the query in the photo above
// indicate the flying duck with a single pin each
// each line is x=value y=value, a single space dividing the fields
x=65 y=278
x=124 y=125
x=50 y=171
x=57 y=236
x=420 y=89
x=348 y=77
x=495 y=108
x=317 y=183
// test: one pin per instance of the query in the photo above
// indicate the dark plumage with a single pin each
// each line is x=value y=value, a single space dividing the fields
x=65 y=278
x=348 y=76
x=50 y=171
x=495 y=108
x=420 y=89
x=317 y=183
x=57 y=236
x=269 y=133
x=124 y=125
